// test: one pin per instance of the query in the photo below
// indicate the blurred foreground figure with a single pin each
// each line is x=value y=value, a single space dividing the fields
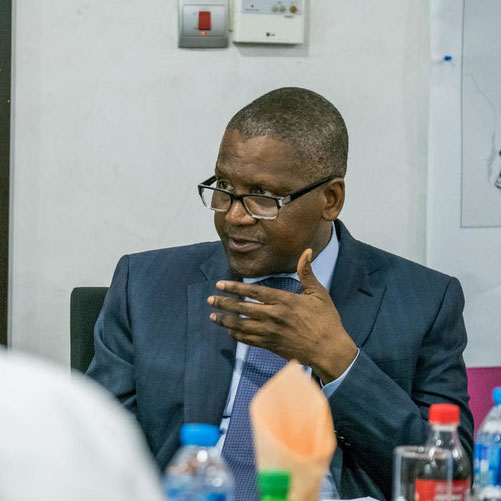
x=62 y=438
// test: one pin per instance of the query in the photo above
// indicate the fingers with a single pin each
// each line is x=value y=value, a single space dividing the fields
x=260 y=293
x=236 y=323
x=243 y=337
x=240 y=307
x=308 y=279
x=243 y=330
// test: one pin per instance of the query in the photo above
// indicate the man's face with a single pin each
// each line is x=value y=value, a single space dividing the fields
x=257 y=247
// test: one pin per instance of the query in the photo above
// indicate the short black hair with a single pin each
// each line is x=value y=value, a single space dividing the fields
x=304 y=119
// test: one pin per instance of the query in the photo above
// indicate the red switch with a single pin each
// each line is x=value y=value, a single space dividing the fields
x=204 y=20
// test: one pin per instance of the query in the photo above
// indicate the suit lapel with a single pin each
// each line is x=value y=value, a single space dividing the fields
x=210 y=351
x=357 y=294
x=356 y=288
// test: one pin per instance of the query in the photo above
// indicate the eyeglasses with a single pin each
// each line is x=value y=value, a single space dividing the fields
x=258 y=206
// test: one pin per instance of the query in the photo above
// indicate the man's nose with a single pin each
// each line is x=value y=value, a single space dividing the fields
x=238 y=215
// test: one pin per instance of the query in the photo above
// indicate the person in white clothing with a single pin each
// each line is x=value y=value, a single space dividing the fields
x=63 y=438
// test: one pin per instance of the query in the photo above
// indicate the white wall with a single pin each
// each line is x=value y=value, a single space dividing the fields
x=114 y=126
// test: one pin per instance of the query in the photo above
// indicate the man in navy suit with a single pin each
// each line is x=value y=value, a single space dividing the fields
x=187 y=335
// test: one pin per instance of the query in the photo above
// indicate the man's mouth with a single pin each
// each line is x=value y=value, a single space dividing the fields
x=243 y=245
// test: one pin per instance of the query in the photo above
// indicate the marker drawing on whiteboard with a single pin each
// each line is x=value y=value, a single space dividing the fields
x=497 y=183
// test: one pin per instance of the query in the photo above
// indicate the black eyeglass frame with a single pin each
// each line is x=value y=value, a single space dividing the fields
x=280 y=201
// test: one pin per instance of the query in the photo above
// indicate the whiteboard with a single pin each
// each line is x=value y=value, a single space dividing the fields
x=481 y=114
x=464 y=208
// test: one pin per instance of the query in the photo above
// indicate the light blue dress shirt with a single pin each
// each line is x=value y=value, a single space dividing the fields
x=323 y=268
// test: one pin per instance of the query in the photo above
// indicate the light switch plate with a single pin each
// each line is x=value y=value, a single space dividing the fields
x=189 y=34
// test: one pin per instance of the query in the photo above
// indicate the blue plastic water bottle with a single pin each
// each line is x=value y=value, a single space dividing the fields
x=197 y=472
x=488 y=453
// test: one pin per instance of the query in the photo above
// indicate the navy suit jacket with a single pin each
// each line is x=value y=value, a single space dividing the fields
x=166 y=361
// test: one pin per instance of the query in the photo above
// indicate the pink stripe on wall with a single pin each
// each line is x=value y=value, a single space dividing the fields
x=481 y=382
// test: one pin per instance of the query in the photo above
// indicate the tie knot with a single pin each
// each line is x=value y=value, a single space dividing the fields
x=283 y=283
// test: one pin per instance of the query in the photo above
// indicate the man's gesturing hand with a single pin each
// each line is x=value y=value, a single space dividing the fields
x=306 y=327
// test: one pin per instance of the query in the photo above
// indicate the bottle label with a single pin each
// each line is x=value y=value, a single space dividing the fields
x=440 y=490
x=216 y=497
x=487 y=465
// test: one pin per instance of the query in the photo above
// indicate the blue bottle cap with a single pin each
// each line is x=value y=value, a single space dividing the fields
x=496 y=395
x=201 y=434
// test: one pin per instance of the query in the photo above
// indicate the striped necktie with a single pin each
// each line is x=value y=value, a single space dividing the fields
x=260 y=365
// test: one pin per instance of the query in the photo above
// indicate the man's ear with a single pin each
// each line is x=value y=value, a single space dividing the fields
x=334 y=198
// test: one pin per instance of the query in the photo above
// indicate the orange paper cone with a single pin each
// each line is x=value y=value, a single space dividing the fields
x=293 y=430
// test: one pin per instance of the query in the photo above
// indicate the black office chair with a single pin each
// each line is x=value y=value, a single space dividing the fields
x=85 y=305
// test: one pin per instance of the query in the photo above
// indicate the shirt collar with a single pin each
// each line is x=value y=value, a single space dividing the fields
x=322 y=266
